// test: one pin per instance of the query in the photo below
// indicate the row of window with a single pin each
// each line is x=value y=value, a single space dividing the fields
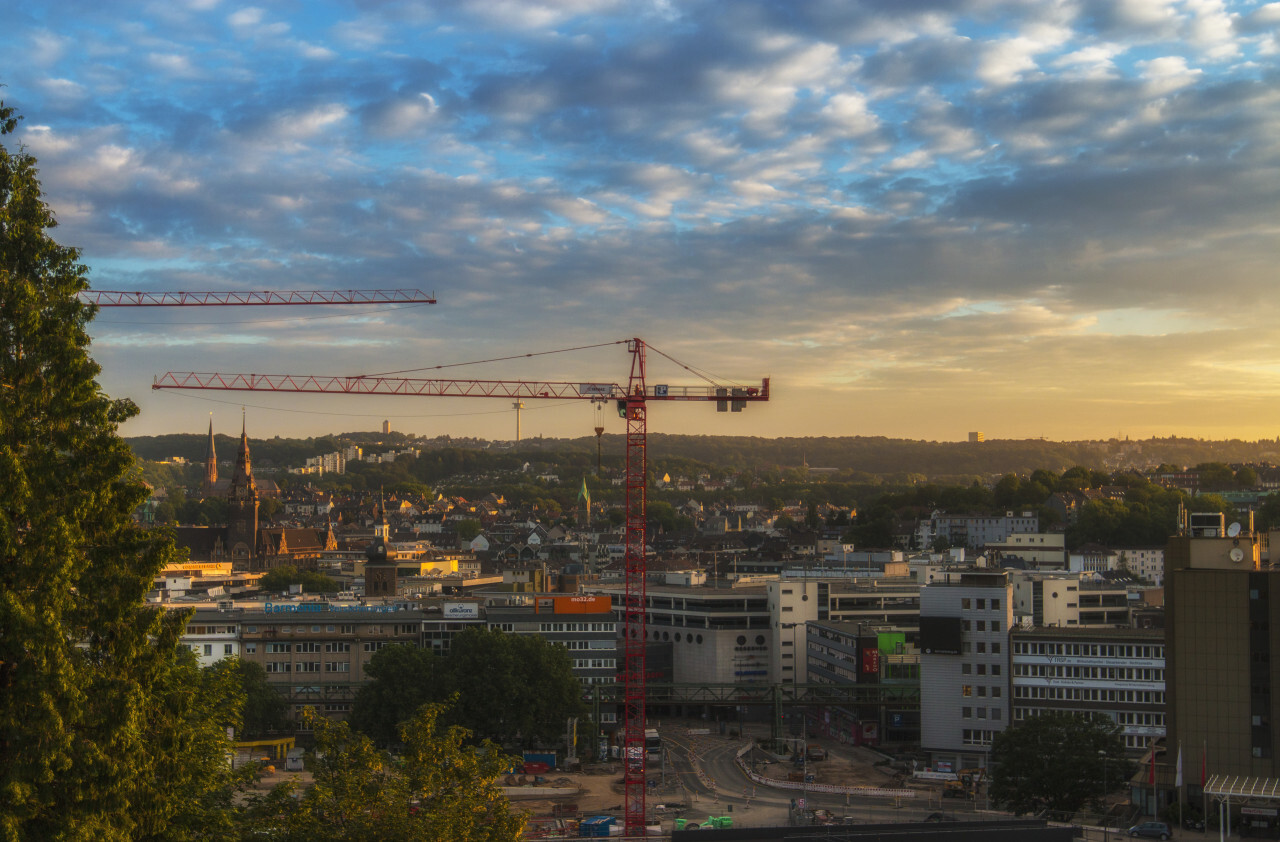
x=980 y=625
x=981 y=647
x=979 y=669
x=979 y=604
x=227 y=649
x=595 y=663
x=981 y=713
x=974 y=737
x=211 y=629
x=1089 y=650
x=1133 y=718
x=1095 y=673
x=981 y=690
x=306 y=666
x=1089 y=694
x=347 y=628
x=577 y=627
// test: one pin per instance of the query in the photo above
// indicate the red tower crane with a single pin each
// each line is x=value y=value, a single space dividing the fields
x=632 y=401
x=116 y=298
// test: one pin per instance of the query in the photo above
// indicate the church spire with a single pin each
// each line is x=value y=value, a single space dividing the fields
x=243 y=475
x=210 y=461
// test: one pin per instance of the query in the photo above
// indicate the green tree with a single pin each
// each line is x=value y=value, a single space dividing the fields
x=100 y=731
x=280 y=578
x=401 y=680
x=1216 y=476
x=1058 y=762
x=513 y=689
x=264 y=709
x=437 y=789
x=468 y=529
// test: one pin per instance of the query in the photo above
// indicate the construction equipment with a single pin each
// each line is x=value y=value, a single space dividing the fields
x=966 y=784
x=632 y=402
x=116 y=298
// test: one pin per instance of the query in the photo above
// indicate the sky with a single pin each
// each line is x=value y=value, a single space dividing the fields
x=919 y=218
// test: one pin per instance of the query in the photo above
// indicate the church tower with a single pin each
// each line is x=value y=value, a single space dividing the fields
x=242 y=508
x=210 y=462
x=380 y=566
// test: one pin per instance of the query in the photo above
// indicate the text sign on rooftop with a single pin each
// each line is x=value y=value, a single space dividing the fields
x=310 y=607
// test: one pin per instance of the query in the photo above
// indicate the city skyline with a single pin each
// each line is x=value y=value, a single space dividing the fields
x=1030 y=219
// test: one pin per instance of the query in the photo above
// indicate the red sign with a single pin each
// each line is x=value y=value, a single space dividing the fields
x=871 y=661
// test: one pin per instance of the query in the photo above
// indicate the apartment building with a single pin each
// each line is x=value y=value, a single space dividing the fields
x=964 y=639
x=888 y=604
x=855 y=653
x=314 y=653
x=1119 y=672
x=212 y=635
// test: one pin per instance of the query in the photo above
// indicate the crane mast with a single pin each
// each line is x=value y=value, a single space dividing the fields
x=633 y=609
x=632 y=401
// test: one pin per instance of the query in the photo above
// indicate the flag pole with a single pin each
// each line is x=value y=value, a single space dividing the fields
x=1178 y=782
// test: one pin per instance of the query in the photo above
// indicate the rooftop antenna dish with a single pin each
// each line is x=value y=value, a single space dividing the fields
x=1233 y=530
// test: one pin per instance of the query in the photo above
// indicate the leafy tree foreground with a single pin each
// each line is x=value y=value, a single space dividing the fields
x=435 y=789
x=109 y=730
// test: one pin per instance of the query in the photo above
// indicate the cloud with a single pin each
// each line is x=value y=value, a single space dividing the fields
x=929 y=199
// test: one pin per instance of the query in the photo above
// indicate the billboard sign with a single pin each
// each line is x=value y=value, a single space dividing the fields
x=582 y=605
x=462 y=610
x=940 y=635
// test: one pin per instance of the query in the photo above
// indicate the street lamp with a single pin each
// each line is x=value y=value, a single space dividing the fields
x=1106 y=831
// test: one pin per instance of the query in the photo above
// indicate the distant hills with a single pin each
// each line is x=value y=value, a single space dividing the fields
x=843 y=456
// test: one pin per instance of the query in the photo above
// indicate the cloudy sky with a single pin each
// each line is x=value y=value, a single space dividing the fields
x=1054 y=218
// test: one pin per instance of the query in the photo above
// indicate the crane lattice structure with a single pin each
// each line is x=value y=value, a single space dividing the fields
x=632 y=402
x=116 y=298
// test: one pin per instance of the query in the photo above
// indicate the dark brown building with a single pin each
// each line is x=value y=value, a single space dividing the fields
x=1222 y=607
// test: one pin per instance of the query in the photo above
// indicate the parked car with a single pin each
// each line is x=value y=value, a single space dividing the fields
x=1151 y=830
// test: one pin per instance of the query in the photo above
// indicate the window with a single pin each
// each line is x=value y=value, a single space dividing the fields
x=337 y=666
x=965 y=669
x=982 y=690
x=251 y=648
x=965 y=603
x=982 y=669
x=982 y=625
x=995 y=692
x=981 y=605
x=277 y=648
x=337 y=647
x=227 y=648
x=982 y=647
x=966 y=713
x=208 y=649
x=995 y=605
x=966 y=690
x=995 y=669
x=307 y=666
x=995 y=625
x=995 y=648
x=278 y=666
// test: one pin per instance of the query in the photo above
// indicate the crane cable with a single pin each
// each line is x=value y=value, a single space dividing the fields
x=494 y=360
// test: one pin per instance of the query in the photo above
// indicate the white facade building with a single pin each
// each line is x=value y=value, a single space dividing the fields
x=964 y=645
